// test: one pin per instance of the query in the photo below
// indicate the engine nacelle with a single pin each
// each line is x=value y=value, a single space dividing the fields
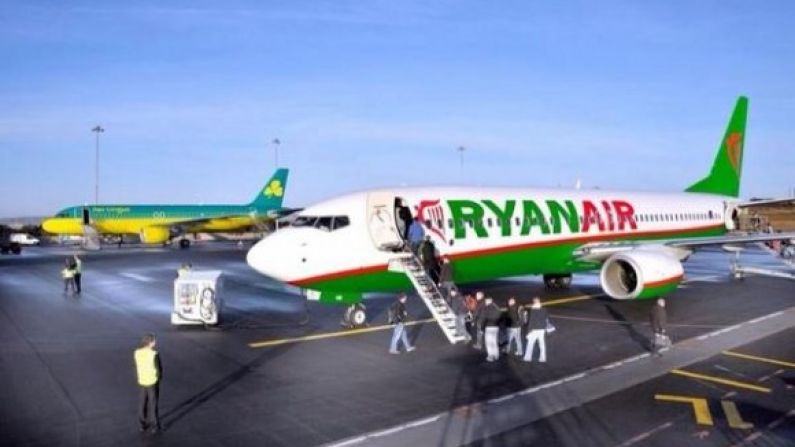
x=155 y=235
x=640 y=274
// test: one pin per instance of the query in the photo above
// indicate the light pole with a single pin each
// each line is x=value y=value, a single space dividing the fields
x=461 y=150
x=98 y=130
x=276 y=144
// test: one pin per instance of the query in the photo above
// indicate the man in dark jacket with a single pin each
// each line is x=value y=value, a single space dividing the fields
x=491 y=316
x=659 y=320
x=477 y=321
x=536 y=331
x=404 y=219
x=446 y=278
x=399 y=317
x=428 y=258
x=514 y=325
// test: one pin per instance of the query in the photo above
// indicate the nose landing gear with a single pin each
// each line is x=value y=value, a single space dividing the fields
x=355 y=316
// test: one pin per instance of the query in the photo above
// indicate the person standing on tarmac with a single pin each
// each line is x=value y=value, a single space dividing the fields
x=491 y=317
x=398 y=316
x=459 y=308
x=149 y=372
x=514 y=326
x=78 y=269
x=537 y=329
x=659 y=320
x=477 y=321
x=68 y=275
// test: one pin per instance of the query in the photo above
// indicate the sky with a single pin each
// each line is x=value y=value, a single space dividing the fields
x=363 y=94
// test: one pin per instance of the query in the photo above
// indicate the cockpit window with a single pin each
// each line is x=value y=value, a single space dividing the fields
x=341 y=222
x=304 y=221
x=325 y=223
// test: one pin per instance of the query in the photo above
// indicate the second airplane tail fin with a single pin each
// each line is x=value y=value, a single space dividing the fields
x=724 y=178
x=272 y=194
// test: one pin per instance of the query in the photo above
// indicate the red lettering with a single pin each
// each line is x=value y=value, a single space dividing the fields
x=590 y=215
x=610 y=223
x=626 y=214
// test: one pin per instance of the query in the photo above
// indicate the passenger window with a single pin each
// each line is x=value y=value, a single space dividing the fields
x=450 y=223
x=518 y=222
x=488 y=222
x=428 y=224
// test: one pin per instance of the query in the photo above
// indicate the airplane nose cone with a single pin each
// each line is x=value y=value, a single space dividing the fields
x=266 y=258
x=48 y=225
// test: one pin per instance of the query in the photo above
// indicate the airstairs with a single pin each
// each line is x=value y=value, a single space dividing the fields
x=90 y=238
x=430 y=294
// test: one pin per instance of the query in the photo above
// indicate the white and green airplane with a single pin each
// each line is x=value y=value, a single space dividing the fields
x=342 y=248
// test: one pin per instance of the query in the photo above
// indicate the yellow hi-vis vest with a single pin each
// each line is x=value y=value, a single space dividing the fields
x=145 y=366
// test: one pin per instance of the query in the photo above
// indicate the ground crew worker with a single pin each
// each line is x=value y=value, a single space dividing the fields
x=659 y=320
x=537 y=329
x=477 y=321
x=149 y=372
x=78 y=268
x=491 y=317
x=514 y=326
x=398 y=318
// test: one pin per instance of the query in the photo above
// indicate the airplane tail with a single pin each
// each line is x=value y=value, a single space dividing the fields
x=724 y=178
x=271 y=195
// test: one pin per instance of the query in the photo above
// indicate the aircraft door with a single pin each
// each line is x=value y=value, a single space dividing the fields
x=86 y=217
x=381 y=221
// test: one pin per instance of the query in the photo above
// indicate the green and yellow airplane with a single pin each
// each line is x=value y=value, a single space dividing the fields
x=158 y=224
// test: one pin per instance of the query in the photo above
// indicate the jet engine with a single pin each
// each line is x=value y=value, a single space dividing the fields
x=155 y=235
x=639 y=274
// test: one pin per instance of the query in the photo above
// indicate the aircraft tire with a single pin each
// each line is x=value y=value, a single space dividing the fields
x=184 y=243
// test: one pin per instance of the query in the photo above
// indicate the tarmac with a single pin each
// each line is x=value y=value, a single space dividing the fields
x=281 y=371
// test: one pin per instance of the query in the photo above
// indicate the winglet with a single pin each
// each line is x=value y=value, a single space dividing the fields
x=724 y=178
x=271 y=195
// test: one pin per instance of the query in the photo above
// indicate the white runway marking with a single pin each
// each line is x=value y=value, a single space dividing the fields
x=138 y=277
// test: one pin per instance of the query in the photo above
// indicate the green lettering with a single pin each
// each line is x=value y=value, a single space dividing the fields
x=559 y=214
x=533 y=216
x=503 y=216
x=466 y=210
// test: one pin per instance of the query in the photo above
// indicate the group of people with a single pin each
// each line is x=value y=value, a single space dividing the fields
x=72 y=274
x=486 y=319
x=479 y=318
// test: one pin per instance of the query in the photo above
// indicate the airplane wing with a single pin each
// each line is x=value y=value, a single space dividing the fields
x=768 y=202
x=600 y=251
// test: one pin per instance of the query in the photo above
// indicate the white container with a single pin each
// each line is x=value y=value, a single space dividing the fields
x=197 y=297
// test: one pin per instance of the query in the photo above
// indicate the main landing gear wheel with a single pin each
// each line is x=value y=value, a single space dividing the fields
x=184 y=243
x=557 y=281
x=355 y=316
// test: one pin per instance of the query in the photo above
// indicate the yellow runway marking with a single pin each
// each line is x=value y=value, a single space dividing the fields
x=284 y=341
x=735 y=383
x=733 y=416
x=364 y=330
x=759 y=359
x=569 y=300
x=700 y=407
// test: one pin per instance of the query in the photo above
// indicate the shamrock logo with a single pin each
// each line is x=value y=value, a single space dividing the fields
x=274 y=188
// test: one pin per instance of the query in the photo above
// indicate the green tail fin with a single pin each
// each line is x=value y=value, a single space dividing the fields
x=724 y=178
x=271 y=195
